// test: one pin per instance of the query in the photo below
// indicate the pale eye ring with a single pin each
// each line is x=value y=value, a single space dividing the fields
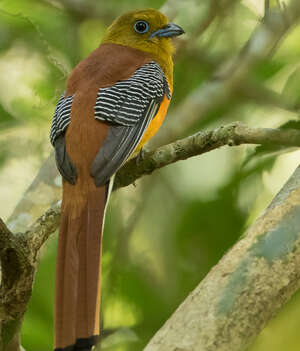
x=141 y=27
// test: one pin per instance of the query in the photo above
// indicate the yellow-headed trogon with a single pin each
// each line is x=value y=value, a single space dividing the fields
x=115 y=100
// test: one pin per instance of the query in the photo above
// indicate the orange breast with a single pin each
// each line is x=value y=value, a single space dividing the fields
x=154 y=124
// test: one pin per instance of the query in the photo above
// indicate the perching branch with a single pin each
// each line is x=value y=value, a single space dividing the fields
x=18 y=252
x=246 y=288
x=197 y=144
x=201 y=142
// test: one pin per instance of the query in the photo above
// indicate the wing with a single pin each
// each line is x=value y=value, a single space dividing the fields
x=60 y=122
x=126 y=101
x=61 y=118
x=118 y=145
x=129 y=106
x=63 y=162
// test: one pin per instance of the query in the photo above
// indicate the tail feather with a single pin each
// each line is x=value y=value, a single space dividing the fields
x=77 y=301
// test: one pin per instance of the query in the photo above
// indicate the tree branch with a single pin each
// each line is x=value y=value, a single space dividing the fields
x=18 y=257
x=17 y=273
x=19 y=252
x=246 y=288
x=232 y=134
x=32 y=204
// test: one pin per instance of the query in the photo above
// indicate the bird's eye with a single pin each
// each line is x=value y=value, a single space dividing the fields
x=141 y=27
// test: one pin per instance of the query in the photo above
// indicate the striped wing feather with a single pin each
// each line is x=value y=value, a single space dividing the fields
x=126 y=101
x=62 y=117
x=128 y=106
x=119 y=144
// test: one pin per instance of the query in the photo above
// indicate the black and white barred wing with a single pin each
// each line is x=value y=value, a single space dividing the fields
x=126 y=101
x=61 y=118
x=129 y=106
x=60 y=122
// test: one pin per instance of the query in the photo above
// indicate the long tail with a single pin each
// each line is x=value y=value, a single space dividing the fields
x=78 y=272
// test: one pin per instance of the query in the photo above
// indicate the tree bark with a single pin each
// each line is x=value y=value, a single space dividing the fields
x=18 y=257
x=230 y=307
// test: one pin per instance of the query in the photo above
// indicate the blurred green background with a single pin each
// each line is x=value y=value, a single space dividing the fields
x=164 y=235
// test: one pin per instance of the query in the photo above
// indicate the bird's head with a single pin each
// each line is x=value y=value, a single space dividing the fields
x=147 y=30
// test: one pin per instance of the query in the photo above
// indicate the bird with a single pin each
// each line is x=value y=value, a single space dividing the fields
x=115 y=100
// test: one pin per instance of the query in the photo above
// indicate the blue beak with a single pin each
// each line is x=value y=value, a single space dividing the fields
x=170 y=30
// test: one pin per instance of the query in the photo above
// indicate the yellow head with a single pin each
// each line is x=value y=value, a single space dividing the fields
x=147 y=30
